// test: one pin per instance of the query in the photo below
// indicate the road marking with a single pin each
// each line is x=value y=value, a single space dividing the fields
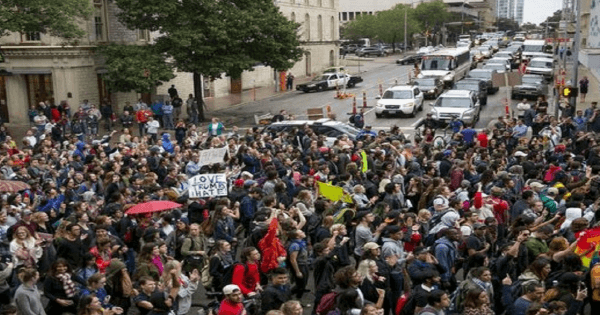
x=417 y=122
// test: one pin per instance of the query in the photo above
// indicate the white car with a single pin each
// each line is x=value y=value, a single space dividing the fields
x=425 y=50
x=502 y=60
x=461 y=104
x=541 y=66
x=499 y=67
x=401 y=99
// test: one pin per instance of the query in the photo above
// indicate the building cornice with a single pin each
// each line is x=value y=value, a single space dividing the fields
x=47 y=51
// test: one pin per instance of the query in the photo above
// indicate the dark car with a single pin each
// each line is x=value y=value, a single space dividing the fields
x=486 y=75
x=329 y=81
x=532 y=86
x=370 y=51
x=475 y=85
x=431 y=87
x=409 y=60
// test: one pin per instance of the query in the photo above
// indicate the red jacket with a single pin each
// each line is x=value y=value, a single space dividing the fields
x=228 y=308
x=246 y=277
x=271 y=248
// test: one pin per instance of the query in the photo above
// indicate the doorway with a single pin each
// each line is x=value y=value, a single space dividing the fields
x=39 y=88
x=3 y=103
x=236 y=85
x=308 y=67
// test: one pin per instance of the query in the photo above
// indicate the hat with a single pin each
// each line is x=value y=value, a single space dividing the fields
x=368 y=127
x=478 y=225
x=520 y=153
x=552 y=191
x=496 y=191
x=184 y=220
x=345 y=146
x=440 y=202
x=536 y=185
x=239 y=183
x=447 y=152
x=370 y=245
x=230 y=288
x=26 y=212
x=420 y=250
x=249 y=183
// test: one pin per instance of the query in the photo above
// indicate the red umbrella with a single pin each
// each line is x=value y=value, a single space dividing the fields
x=153 y=206
x=13 y=186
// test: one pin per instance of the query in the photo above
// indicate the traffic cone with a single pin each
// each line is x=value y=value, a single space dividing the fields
x=354 y=107
x=507 y=110
x=365 y=99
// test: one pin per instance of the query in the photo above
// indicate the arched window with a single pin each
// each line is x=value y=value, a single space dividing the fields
x=307 y=27
x=320 y=27
x=320 y=3
x=293 y=17
x=332 y=3
x=332 y=28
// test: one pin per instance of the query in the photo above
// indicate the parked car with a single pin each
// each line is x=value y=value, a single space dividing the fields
x=461 y=103
x=425 y=50
x=351 y=48
x=486 y=75
x=502 y=60
x=409 y=60
x=401 y=99
x=486 y=51
x=430 y=87
x=370 y=51
x=541 y=66
x=331 y=129
x=508 y=55
x=532 y=86
x=475 y=85
x=329 y=81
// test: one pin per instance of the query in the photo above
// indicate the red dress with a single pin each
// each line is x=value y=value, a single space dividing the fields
x=271 y=248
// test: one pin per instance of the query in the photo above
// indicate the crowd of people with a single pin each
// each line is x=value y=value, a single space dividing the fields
x=488 y=224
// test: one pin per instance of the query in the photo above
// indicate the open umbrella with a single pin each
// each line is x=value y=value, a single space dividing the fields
x=153 y=206
x=13 y=186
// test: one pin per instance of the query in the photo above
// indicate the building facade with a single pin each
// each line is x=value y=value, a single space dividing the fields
x=589 y=54
x=510 y=9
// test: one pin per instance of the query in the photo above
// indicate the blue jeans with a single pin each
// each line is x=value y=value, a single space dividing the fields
x=168 y=121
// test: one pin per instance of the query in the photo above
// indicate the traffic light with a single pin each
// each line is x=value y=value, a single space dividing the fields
x=569 y=91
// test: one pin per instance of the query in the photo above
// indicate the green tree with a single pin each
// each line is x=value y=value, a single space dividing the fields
x=214 y=37
x=505 y=24
x=54 y=17
x=529 y=26
x=431 y=15
x=134 y=68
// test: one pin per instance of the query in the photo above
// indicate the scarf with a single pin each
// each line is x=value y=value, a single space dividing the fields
x=226 y=259
x=158 y=263
x=67 y=283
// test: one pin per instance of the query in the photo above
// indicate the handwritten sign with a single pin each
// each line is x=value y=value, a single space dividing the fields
x=207 y=185
x=212 y=156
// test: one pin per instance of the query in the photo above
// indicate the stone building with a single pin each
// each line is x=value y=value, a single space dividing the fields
x=39 y=67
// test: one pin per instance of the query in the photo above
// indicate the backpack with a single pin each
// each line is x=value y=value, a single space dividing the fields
x=338 y=218
x=327 y=303
x=351 y=119
x=206 y=278
x=228 y=275
x=516 y=290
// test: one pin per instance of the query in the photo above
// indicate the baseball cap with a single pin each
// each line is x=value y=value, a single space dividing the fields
x=536 y=185
x=370 y=245
x=552 y=191
x=478 y=225
x=239 y=183
x=440 y=202
x=230 y=288
x=520 y=153
x=184 y=220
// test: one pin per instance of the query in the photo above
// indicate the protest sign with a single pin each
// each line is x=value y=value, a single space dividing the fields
x=212 y=156
x=207 y=185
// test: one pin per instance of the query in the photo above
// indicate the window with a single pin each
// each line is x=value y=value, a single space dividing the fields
x=293 y=17
x=33 y=36
x=344 y=16
x=332 y=3
x=98 y=28
x=350 y=16
x=306 y=2
x=332 y=30
x=320 y=27
x=307 y=27
x=320 y=3
x=143 y=35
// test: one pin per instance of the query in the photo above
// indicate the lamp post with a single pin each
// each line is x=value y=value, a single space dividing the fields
x=576 y=47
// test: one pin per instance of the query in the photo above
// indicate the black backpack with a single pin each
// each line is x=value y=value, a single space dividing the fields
x=228 y=273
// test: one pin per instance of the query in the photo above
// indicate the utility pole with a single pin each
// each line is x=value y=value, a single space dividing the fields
x=575 y=52
x=405 y=29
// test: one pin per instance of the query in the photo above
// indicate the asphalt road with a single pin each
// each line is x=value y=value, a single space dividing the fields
x=381 y=70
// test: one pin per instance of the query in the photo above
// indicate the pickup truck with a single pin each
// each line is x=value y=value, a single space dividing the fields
x=329 y=81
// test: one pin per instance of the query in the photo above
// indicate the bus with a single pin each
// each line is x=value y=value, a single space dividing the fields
x=449 y=64
x=533 y=48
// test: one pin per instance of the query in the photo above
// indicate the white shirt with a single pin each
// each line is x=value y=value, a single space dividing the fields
x=153 y=126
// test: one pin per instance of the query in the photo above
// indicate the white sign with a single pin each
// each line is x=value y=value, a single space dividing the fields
x=212 y=156
x=207 y=185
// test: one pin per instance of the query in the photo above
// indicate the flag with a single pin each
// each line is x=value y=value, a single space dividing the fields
x=588 y=245
x=333 y=193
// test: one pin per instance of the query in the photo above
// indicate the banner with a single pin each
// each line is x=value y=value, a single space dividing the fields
x=588 y=245
x=333 y=193
x=207 y=185
x=212 y=156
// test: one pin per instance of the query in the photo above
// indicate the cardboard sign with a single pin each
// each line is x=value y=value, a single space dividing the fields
x=207 y=185
x=212 y=156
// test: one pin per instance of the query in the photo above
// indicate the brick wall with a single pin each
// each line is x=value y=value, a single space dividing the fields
x=117 y=32
x=87 y=84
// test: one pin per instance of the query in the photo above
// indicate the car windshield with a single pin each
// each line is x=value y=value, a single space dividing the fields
x=480 y=74
x=425 y=82
x=436 y=63
x=533 y=48
x=531 y=80
x=540 y=64
x=322 y=78
x=495 y=66
x=504 y=55
x=467 y=86
x=397 y=95
x=453 y=102
x=349 y=129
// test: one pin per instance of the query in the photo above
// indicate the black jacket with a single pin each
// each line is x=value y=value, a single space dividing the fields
x=273 y=297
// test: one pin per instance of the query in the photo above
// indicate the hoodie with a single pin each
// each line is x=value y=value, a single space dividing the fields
x=393 y=247
x=166 y=143
x=79 y=151
x=575 y=213
x=445 y=252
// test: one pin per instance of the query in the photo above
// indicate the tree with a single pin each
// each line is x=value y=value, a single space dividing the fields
x=431 y=15
x=214 y=37
x=529 y=26
x=54 y=17
x=505 y=24
x=134 y=68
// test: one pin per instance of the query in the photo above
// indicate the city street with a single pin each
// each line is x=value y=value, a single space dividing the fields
x=382 y=70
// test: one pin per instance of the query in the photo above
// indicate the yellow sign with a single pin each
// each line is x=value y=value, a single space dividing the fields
x=333 y=193
x=567 y=92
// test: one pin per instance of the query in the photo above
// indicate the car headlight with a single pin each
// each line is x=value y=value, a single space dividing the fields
x=409 y=104
x=432 y=91
x=379 y=104
x=449 y=77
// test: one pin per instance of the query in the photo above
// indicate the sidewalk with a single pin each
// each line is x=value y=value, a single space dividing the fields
x=593 y=94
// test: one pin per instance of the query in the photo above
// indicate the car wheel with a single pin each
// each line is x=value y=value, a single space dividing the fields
x=350 y=84
x=319 y=88
x=414 y=112
x=378 y=115
x=421 y=107
x=512 y=96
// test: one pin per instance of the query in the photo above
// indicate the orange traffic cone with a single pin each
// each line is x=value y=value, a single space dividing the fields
x=365 y=99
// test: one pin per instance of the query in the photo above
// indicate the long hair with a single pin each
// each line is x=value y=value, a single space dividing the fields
x=146 y=252
x=472 y=298
x=363 y=269
x=58 y=262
